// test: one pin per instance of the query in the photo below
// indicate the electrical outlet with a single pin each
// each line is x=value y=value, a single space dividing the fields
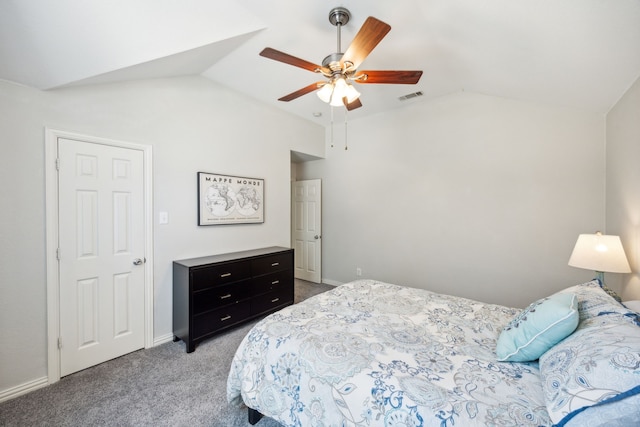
x=358 y=271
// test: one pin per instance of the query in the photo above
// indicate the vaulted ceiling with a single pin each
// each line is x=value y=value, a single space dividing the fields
x=579 y=53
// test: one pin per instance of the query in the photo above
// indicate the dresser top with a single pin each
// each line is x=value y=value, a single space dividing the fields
x=212 y=259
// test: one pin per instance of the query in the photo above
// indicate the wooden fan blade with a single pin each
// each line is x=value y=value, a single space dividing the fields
x=305 y=90
x=372 y=31
x=388 y=77
x=352 y=106
x=276 y=55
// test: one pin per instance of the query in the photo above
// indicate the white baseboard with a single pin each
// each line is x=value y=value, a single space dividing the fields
x=30 y=386
x=331 y=282
x=162 y=339
x=25 y=388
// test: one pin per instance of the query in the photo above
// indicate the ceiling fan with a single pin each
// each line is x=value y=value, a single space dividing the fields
x=341 y=69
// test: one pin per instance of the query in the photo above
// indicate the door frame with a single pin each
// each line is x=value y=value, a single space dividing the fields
x=51 y=247
x=292 y=228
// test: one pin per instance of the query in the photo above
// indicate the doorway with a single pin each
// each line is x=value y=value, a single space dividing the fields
x=306 y=229
x=99 y=250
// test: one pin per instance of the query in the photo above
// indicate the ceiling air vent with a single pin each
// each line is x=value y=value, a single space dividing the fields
x=411 y=95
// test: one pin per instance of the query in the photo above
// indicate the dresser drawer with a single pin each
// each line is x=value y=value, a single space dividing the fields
x=218 y=319
x=220 y=274
x=219 y=296
x=271 y=301
x=271 y=282
x=271 y=264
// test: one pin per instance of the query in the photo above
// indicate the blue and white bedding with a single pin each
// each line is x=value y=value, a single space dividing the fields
x=371 y=353
x=375 y=354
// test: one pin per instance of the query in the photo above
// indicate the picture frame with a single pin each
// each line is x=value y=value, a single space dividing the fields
x=228 y=199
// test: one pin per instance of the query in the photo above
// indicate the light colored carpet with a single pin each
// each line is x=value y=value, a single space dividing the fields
x=162 y=386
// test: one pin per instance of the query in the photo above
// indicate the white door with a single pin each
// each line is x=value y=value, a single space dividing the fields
x=307 y=229
x=101 y=243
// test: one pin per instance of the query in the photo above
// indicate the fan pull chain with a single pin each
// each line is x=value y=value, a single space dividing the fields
x=345 y=130
x=331 y=126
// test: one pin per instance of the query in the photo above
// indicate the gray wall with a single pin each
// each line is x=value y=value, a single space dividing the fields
x=623 y=187
x=469 y=194
x=193 y=125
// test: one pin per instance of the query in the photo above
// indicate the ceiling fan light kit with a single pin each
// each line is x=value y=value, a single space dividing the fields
x=341 y=69
x=336 y=91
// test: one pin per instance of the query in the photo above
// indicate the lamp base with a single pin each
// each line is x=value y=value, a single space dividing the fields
x=611 y=292
x=600 y=277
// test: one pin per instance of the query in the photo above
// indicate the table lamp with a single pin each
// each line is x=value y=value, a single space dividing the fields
x=601 y=253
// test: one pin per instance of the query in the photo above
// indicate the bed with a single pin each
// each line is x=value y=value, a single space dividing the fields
x=369 y=353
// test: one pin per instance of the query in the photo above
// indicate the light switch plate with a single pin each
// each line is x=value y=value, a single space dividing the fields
x=163 y=217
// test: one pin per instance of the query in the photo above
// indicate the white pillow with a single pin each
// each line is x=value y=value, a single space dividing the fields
x=595 y=369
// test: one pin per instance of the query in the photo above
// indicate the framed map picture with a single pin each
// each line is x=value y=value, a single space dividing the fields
x=225 y=199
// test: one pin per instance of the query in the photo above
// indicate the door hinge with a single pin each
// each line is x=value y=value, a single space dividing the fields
x=59 y=343
x=58 y=254
x=58 y=163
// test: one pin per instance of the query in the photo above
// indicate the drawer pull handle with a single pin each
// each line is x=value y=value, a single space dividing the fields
x=275 y=264
x=275 y=282
x=222 y=319
x=275 y=300
x=225 y=296
x=225 y=275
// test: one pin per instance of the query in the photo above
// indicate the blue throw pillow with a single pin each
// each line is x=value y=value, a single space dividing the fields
x=538 y=328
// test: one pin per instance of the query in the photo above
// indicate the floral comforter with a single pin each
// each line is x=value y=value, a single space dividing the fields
x=375 y=354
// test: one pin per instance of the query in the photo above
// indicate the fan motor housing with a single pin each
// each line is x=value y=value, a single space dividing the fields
x=333 y=61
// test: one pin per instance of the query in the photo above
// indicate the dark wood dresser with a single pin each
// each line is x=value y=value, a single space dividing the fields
x=214 y=293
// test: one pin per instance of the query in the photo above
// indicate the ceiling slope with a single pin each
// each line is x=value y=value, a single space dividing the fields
x=48 y=44
x=575 y=53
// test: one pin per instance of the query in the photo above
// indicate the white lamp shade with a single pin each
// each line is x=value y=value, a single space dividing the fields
x=599 y=252
x=336 y=100
x=339 y=91
x=352 y=94
x=334 y=92
x=325 y=92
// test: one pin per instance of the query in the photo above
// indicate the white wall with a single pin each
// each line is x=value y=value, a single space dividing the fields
x=469 y=194
x=193 y=125
x=623 y=187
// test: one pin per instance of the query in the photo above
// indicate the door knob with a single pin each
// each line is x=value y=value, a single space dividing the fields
x=137 y=261
x=316 y=237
